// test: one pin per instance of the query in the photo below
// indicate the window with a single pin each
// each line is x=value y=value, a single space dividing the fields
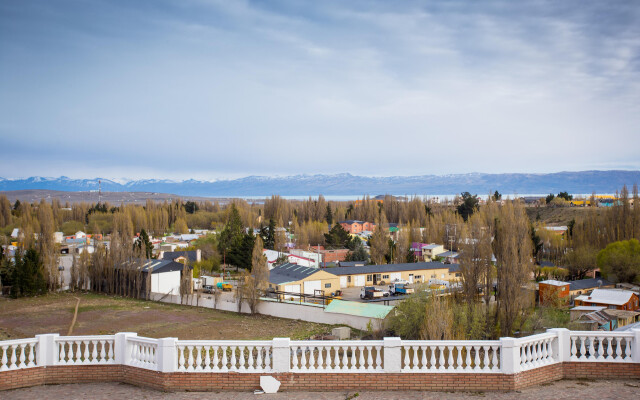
x=385 y=276
x=458 y=274
x=433 y=276
x=369 y=278
x=327 y=286
x=418 y=276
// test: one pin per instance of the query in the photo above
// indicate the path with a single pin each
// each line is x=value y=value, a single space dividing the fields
x=576 y=389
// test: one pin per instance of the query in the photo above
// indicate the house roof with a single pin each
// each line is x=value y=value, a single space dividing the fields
x=351 y=221
x=192 y=255
x=352 y=263
x=374 y=269
x=589 y=283
x=616 y=297
x=160 y=266
x=588 y=308
x=360 y=309
x=600 y=316
x=553 y=282
x=290 y=273
x=453 y=254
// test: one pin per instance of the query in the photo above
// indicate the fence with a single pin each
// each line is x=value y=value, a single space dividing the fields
x=392 y=356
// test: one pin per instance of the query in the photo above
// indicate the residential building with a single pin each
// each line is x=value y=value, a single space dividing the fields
x=430 y=251
x=191 y=256
x=293 y=278
x=583 y=286
x=617 y=299
x=551 y=291
x=420 y=272
x=354 y=226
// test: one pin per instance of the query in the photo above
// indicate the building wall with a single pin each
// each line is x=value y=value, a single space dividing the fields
x=551 y=292
x=328 y=282
x=429 y=254
x=334 y=255
x=419 y=276
x=166 y=282
x=233 y=381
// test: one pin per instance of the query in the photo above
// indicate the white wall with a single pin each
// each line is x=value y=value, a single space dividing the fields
x=310 y=313
x=166 y=282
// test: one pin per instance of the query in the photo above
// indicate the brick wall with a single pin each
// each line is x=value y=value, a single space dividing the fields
x=181 y=381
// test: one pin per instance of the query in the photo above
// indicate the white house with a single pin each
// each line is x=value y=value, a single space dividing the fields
x=165 y=275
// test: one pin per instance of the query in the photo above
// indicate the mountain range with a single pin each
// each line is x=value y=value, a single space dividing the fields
x=582 y=182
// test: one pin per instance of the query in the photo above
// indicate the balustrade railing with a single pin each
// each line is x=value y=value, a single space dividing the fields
x=537 y=351
x=602 y=346
x=224 y=355
x=391 y=355
x=337 y=356
x=450 y=356
x=144 y=352
x=83 y=350
x=18 y=354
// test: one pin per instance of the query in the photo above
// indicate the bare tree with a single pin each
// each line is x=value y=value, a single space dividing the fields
x=513 y=251
x=380 y=241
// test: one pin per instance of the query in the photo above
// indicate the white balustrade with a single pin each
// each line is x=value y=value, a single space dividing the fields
x=18 y=354
x=450 y=356
x=537 y=351
x=224 y=356
x=84 y=350
x=143 y=352
x=391 y=355
x=337 y=356
x=602 y=346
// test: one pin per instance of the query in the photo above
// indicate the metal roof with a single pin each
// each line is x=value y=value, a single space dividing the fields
x=359 y=309
x=290 y=273
x=554 y=282
x=192 y=255
x=159 y=266
x=375 y=269
x=607 y=296
x=589 y=283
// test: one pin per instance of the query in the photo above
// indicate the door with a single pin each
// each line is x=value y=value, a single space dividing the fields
x=292 y=288
x=310 y=286
x=343 y=282
x=359 y=280
x=410 y=278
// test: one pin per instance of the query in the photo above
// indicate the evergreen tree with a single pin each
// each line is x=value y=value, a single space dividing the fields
x=143 y=244
x=28 y=275
x=338 y=238
x=468 y=206
x=329 y=215
x=268 y=234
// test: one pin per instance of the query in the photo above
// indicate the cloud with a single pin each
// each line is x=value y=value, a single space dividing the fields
x=214 y=89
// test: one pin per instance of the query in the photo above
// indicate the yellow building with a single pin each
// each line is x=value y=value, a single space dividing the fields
x=294 y=278
x=420 y=272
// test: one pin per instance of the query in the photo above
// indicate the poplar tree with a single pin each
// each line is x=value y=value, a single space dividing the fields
x=513 y=250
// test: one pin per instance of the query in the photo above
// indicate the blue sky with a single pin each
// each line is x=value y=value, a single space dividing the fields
x=211 y=89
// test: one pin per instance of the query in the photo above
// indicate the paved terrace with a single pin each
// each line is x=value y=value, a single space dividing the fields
x=568 y=389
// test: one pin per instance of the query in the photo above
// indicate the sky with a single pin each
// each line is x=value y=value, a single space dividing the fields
x=207 y=89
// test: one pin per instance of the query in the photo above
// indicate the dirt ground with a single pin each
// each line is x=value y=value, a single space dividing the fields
x=102 y=315
x=557 y=215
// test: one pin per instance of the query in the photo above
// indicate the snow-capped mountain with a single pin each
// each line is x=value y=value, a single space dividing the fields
x=347 y=184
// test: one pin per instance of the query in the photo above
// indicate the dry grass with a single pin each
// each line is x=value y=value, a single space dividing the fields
x=101 y=314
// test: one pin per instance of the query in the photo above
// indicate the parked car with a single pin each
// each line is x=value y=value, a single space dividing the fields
x=208 y=289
